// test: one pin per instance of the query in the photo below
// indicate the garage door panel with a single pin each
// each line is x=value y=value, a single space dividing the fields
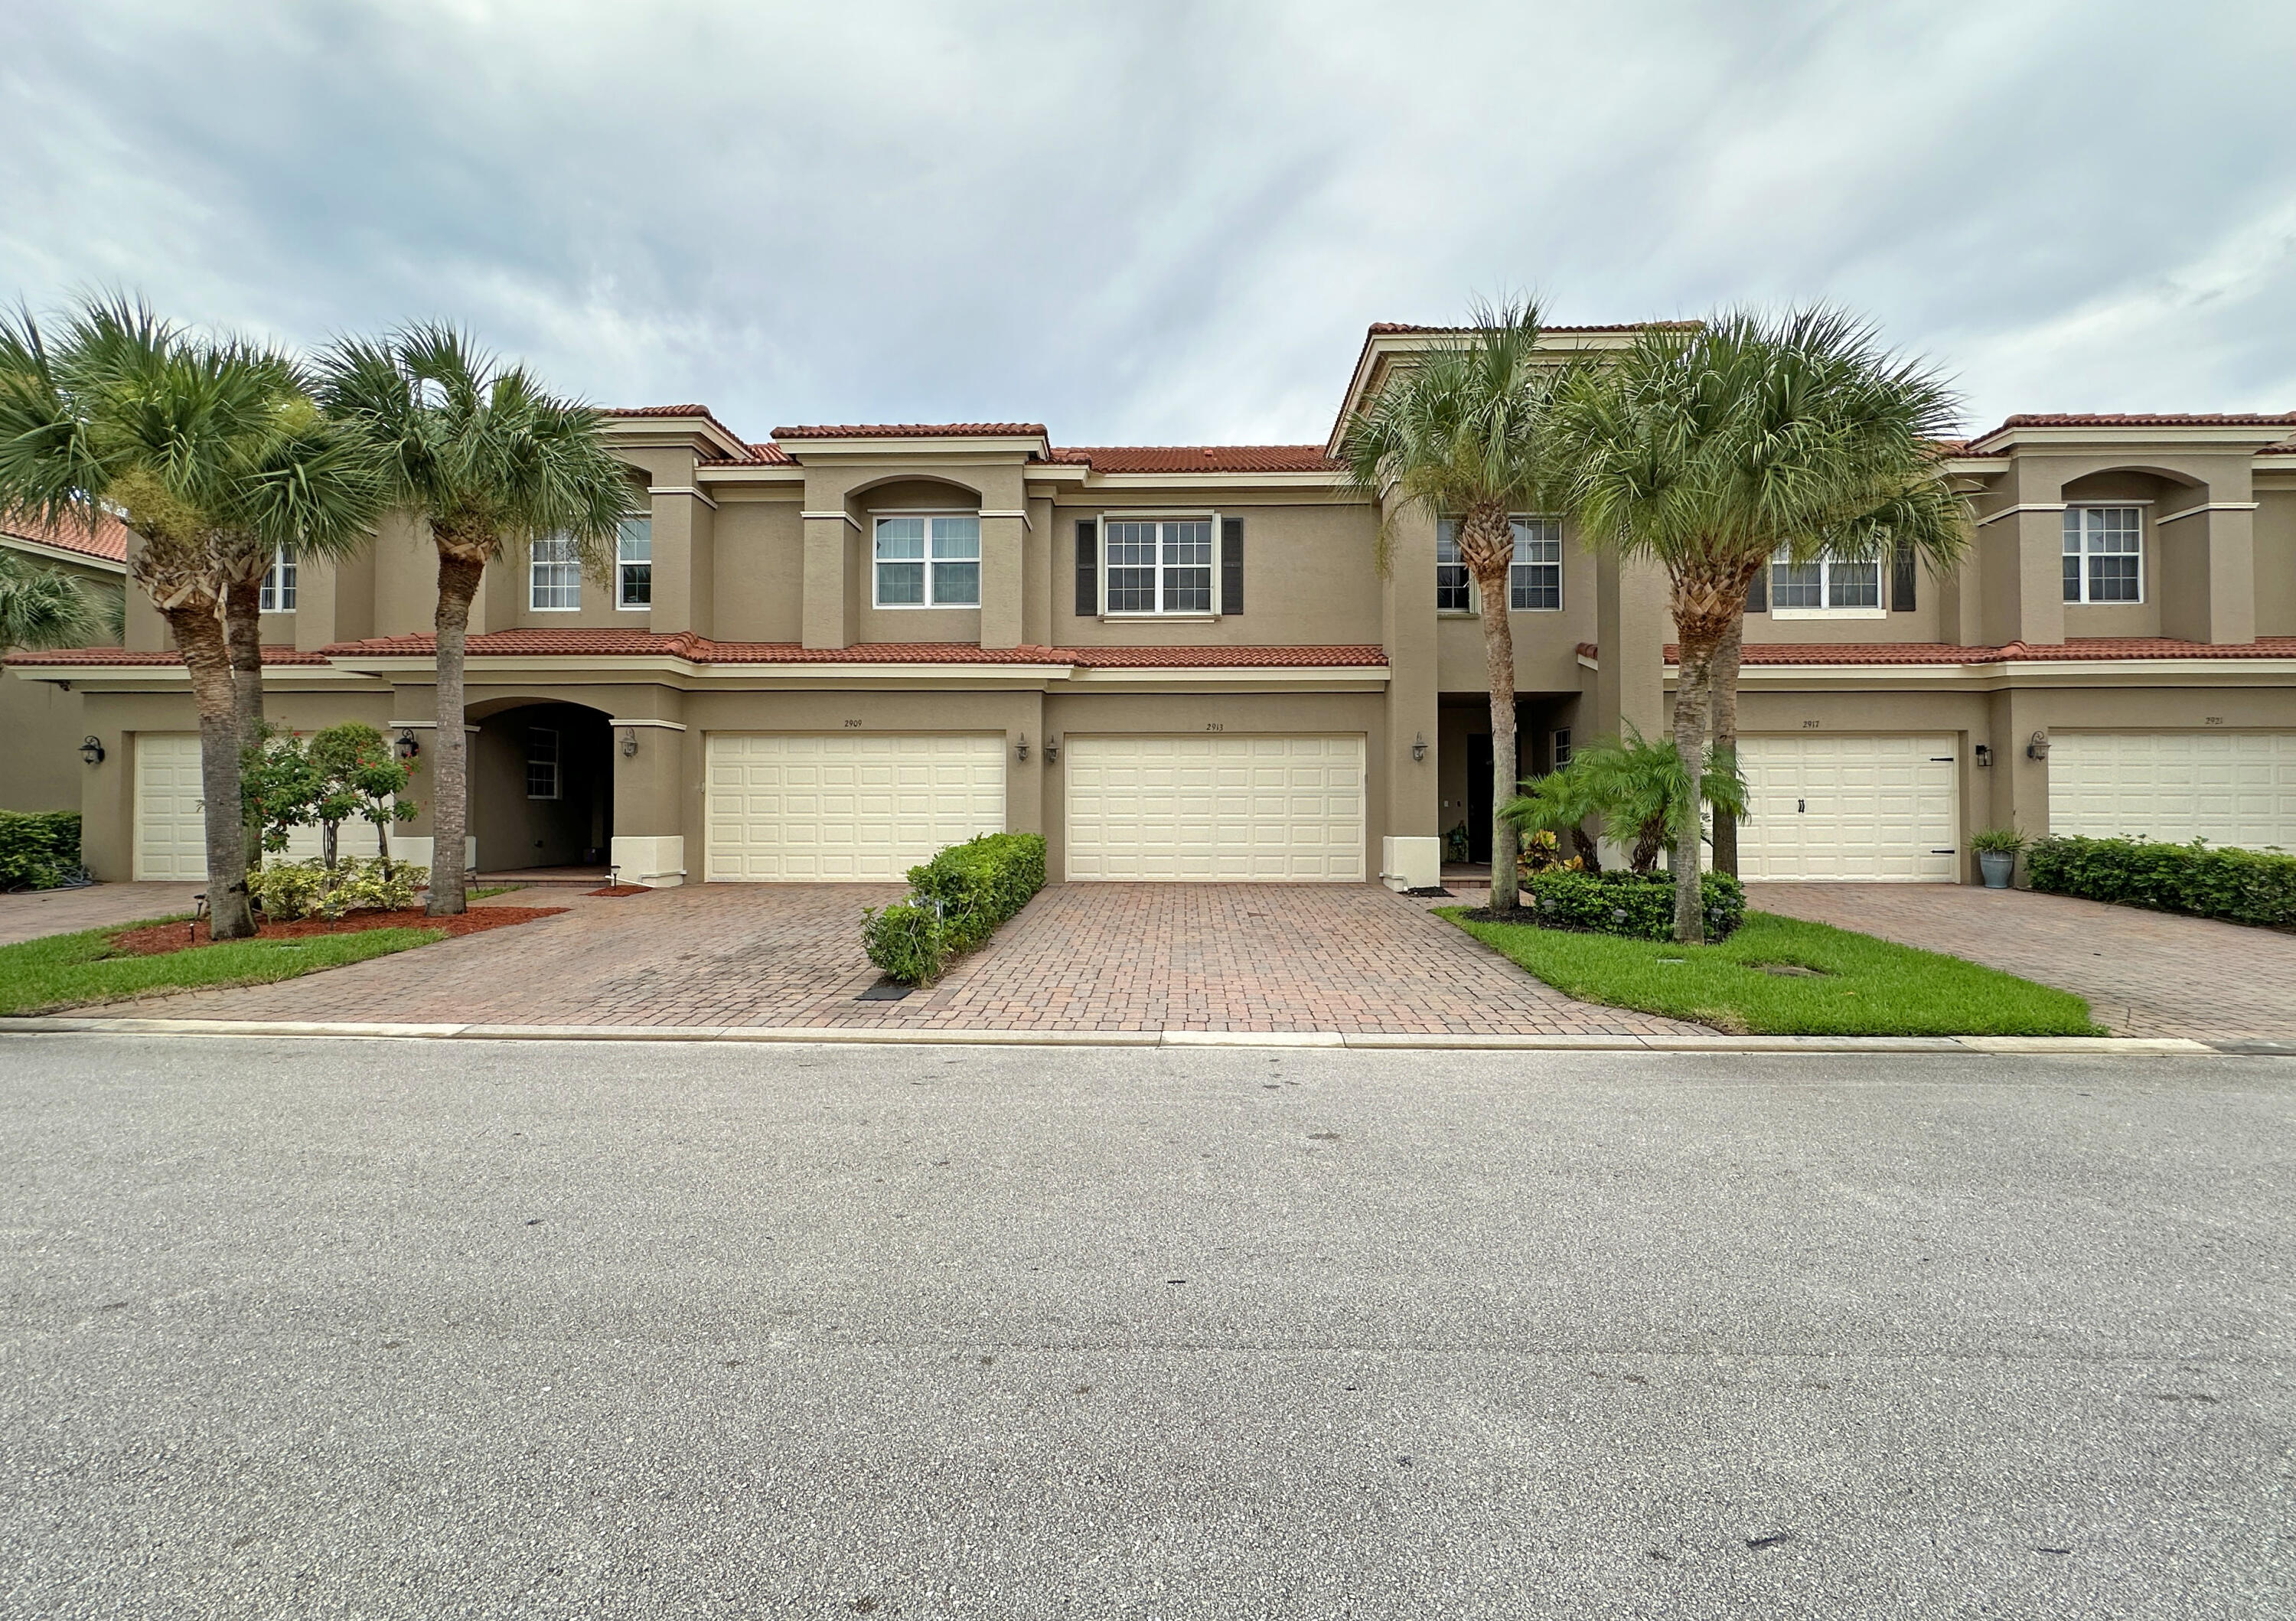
x=1850 y=807
x=170 y=819
x=1234 y=809
x=797 y=807
x=2229 y=788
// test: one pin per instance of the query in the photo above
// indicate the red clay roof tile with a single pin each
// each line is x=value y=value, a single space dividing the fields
x=128 y=657
x=699 y=650
x=1199 y=458
x=102 y=536
x=2011 y=653
x=909 y=430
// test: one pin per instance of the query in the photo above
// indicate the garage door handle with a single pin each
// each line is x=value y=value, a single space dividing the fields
x=1942 y=852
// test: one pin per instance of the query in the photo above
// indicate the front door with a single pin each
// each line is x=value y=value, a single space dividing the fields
x=1479 y=796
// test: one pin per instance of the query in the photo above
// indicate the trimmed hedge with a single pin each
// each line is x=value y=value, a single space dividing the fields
x=38 y=849
x=2251 y=887
x=957 y=900
x=1639 y=905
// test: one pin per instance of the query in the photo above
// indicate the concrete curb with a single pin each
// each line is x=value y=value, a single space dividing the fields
x=2004 y=1046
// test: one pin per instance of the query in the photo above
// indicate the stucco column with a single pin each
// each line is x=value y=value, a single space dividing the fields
x=1407 y=633
x=2038 y=564
x=827 y=617
x=1002 y=598
x=649 y=839
x=684 y=554
x=1632 y=628
x=2204 y=570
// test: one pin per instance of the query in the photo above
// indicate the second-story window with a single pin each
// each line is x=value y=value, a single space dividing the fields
x=1827 y=583
x=634 y=564
x=929 y=560
x=554 y=577
x=278 y=594
x=2104 y=555
x=1159 y=565
x=1535 y=581
x=1454 y=589
x=1534 y=578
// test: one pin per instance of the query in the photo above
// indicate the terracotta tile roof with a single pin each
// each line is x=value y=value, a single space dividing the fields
x=2172 y=418
x=700 y=650
x=124 y=655
x=105 y=536
x=1384 y=328
x=2011 y=653
x=909 y=430
x=1199 y=458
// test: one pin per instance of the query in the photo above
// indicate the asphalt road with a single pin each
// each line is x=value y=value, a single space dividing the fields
x=322 y=1328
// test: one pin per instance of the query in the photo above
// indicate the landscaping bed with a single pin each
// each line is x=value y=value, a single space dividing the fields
x=1779 y=976
x=152 y=940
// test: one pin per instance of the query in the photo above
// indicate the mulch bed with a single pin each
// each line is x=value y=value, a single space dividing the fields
x=160 y=938
x=618 y=889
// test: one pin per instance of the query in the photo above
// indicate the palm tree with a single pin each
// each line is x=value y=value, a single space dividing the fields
x=191 y=441
x=1713 y=449
x=1461 y=436
x=1636 y=786
x=487 y=458
x=42 y=607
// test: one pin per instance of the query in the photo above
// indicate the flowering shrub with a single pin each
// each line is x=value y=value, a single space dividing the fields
x=287 y=890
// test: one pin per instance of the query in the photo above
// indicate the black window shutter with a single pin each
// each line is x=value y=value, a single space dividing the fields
x=1758 y=595
x=1087 y=567
x=1901 y=579
x=1230 y=565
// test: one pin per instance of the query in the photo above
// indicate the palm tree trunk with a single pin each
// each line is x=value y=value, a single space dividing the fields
x=201 y=637
x=1690 y=702
x=1498 y=658
x=243 y=633
x=1723 y=701
x=458 y=584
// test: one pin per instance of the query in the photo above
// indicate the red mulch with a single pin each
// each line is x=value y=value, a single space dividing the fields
x=163 y=938
x=618 y=889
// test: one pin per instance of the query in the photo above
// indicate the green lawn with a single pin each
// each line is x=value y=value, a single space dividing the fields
x=66 y=970
x=1866 y=986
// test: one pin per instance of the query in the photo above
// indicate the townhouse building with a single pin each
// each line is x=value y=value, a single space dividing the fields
x=822 y=655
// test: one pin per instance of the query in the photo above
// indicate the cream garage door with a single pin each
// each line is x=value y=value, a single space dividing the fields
x=1850 y=807
x=802 y=807
x=171 y=818
x=2235 y=787
x=1242 y=809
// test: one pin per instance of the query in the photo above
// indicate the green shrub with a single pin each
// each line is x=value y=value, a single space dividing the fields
x=2250 y=887
x=287 y=890
x=957 y=900
x=905 y=941
x=38 y=849
x=1639 y=905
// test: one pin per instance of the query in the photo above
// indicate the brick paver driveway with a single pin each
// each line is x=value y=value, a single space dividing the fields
x=38 y=911
x=2145 y=973
x=1336 y=957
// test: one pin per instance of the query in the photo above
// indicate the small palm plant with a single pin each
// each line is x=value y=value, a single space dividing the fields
x=1638 y=789
x=487 y=459
x=1461 y=436
x=43 y=607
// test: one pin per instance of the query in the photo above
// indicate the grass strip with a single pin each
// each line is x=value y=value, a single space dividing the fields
x=1861 y=985
x=68 y=970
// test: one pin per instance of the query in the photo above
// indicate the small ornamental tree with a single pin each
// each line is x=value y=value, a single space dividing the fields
x=364 y=780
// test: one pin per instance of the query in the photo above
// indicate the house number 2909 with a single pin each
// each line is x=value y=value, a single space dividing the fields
x=852 y=723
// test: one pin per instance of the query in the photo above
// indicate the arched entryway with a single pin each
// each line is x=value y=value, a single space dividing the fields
x=542 y=787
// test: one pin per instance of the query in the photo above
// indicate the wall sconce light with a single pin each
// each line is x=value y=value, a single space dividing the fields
x=1051 y=750
x=2038 y=748
x=1022 y=752
x=1419 y=746
x=90 y=750
x=630 y=743
x=1984 y=757
x=408 y=746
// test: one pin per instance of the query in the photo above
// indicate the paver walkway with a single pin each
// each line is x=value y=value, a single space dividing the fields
x=38 y=911
x=2145 y=973
x=1339 y=957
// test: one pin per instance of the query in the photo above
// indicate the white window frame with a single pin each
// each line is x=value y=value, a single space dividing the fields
x=1212 y=604
x=2071 y=520
x=930 y=558
x=624 y=563
x=1828 y=609
x=554 y=763
x=279 y=587
x=1516 y=522
x=557 y=583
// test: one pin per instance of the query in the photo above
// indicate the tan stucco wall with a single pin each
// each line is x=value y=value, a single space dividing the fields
x=760 y=570
x=40 y=732
x=2275 y=563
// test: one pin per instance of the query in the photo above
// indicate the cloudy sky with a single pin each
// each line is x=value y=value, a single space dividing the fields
x=1145 y=223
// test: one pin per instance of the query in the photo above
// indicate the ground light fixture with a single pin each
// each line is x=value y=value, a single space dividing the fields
x=90 y=750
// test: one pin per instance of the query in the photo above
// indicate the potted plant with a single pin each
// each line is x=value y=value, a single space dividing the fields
x=1997 y=850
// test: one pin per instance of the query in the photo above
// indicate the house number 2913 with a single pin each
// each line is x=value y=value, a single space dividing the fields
x=1214 y=725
